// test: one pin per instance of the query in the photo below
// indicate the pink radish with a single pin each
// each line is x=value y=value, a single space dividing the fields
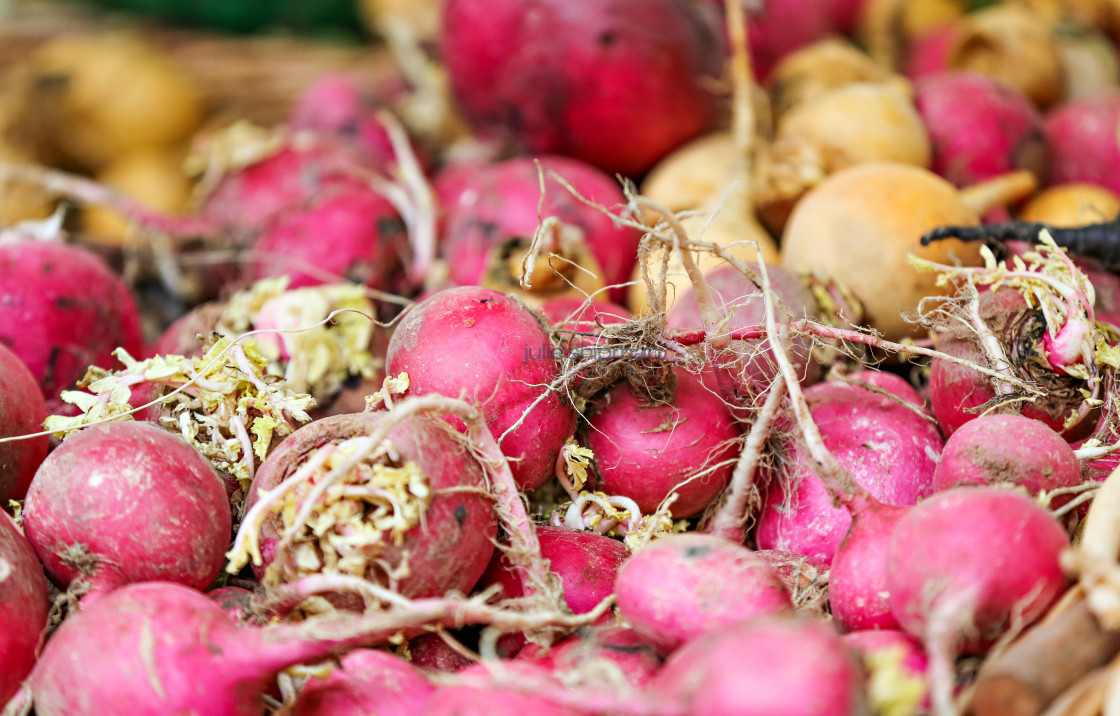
x=1011 y=449
x=127 y=502
x=479 y=343
x=990 y=562
x=61 y=311
x=236 y=603
x=403 y=503
x=485 y=700
x=889 y=446
x=22 y=412
x=431 y=653
x=333 y=105
x=682 y=586
x=23 y=608
x=624 y=648
x=648 y=448
x=615 y=83
x=758 y=667
x=897 y=669
x=857 y=582
x=1082 y=139
x=366 y=681
x=979 y=127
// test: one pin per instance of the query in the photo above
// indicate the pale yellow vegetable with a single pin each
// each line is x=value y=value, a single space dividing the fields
x=154 y=177
x=1073 y=204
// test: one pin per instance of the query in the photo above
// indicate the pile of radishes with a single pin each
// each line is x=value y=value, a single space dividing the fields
x=714 y=364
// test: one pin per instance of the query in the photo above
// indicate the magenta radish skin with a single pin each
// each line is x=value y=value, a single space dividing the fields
x=777 y=28
x=23 y=607
x=431 y=653
x=22 y=412
x=635 y=659
x=679 y=587
x=615 y=83
x=492 y=700
x=367 y=681
x=867 y=642
x=61 y=311
x=1082 y=140
x=1011 y=449
x=141 y=503
x=979 y=127
x=930 y=52
x=448 y=550
x=758 y=668
x=991 y=556
x=482 y=344
x=857 y=583
x=889 y=450
x=333 y=106
x=637 y=457
x=235 y=602
x=503 y=201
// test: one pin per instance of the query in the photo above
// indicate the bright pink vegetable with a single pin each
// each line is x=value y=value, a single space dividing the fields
x=616 y=83
x=930 y=52
x=23 y=607
x=647 y=450
x=62 y=310
x=367 y=681
x=462 y=700
x=431 y=653
x=889 y=449
x=679 y=587
x=503 y=202
x=333 y=105
x=22 y=411
x=979 y=127
x=871 y=642
x=446 y=550
x=127 y=502
x=1082 y=139
x=761 y=667
x=236 y=602
x=857 y=582
x=1011 y=449
x=482 y=344
x=778 y=27
x=637 y=661
x=990 y=560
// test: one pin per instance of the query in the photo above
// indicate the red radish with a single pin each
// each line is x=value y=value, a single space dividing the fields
x=990 y=562
x=616 y=83
x=127 y=502
x=503 y=202
x=635 y=660
x=896 y=668
x=857 y=582
x=889 y=447
x=398 y=502
x=681 y=586
x=61 y=311
x=236 y=603
x=333 y=105
x=470 y=700
x=806 y=578
x=367 y=681
x=979 y=127
x=778 y=27
x=22 y=412
x=580 y=320
x=174 y=651
x=431 y=653
x=1082 y=140
x=844 y=14
x=930 y=52
x=995 y=449
x=23 y=607
x=758 y=668
x=483 y=344
x=647 y=448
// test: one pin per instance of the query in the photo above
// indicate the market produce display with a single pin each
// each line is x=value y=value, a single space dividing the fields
x=587 y=358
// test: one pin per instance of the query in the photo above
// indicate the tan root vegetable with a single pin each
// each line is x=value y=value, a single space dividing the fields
x=99 y=96
x=821 y=67
x=1013 y=45
x=1089 y=62
x=887 y=27
x=854 y=124
x=1100 y=14
x=154 y=177
x=418 y=20
x=860 y=224
x=692 y=174
x=1073 y=204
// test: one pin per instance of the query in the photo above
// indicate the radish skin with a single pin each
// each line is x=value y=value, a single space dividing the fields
x=22 y=412
x=23 y=608
x=366 y=681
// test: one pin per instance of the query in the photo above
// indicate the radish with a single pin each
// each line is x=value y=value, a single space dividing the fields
x=681 y=586
x=393 y=518
x=579 y=321
x=648 y=446
x=22 y=412
x=624 y=649
x=431 y=653
x=1082 y=140
x=487 y=700
x=631 y=76
x=127 y=502
x=23 y=608
x=165 y=636
x=61 y=309
x=486 y=346
x=819 y=68
x=777 y=28
x=897 y=668
x=758 y=667
x=1012 y=449
x=979 y=127
x=889 y=447
x=498 y=211
x=806 y=578
x=366 y=681
x=333 y=105
x=960 y=598
x=1071 y=204
x=857 y=581
x=236 y=603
